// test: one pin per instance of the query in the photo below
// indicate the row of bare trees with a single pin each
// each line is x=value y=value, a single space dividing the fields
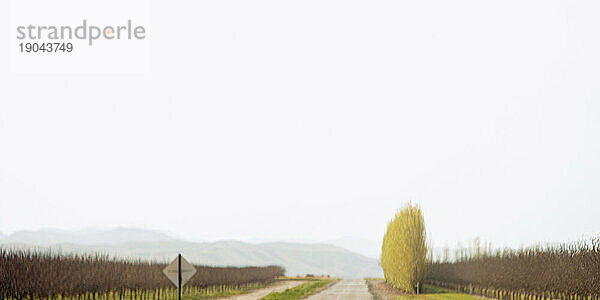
x=565 y=271
x=37 y=274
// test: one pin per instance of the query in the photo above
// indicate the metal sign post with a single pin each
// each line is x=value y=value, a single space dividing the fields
x=179 y=271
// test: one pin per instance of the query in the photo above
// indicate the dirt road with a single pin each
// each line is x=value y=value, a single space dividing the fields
x=257 y=294
x=345 y=289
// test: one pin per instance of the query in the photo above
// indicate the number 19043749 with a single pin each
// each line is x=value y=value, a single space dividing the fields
x=46 y=47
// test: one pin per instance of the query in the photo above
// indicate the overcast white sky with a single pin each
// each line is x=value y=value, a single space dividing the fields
x=316 y=120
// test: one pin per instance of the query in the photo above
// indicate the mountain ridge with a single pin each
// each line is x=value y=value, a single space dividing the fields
x=297 y=258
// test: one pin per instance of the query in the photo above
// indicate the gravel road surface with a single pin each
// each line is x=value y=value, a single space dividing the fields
x=345 y=289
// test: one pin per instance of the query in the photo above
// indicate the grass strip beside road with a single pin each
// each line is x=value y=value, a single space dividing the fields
x=300 y=291
x=303 y=278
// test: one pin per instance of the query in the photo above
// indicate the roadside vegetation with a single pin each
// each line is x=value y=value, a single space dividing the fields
x=404 y=254
x=384 y=291
x=565 y=272
x=569 y=271
x=300 y=291
x=44 y=275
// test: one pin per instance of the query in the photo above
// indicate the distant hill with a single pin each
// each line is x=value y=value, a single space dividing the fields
x=365 y=247
x=48 y=237
x=297 y=258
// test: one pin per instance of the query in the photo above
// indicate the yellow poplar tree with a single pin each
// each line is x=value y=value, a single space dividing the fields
x=404 y=253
